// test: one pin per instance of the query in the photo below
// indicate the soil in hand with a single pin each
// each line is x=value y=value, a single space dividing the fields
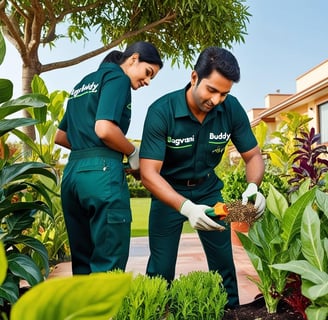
x=237 y=212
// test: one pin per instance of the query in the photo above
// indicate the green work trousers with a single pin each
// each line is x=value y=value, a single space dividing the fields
x=165 y=227
x=96 y=206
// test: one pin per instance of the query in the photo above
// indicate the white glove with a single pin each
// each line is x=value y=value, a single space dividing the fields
x=197 y=217
x=133 y=159
x=251 y=193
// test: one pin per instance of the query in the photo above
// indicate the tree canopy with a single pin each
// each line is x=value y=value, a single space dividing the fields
x=179 y=28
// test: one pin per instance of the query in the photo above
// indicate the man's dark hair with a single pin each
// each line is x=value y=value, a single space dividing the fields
x=219 y=59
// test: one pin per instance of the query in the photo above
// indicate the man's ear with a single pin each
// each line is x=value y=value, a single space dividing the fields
x=194 y=78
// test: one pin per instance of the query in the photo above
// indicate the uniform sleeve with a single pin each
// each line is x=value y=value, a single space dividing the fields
x=63 y=123
x=242 y=135
x=114 y=97
x=153 y=143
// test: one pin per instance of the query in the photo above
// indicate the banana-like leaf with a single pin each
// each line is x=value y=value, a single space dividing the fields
x=80 y=297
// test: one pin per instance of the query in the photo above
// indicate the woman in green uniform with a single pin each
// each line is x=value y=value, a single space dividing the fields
x=94 y=191
x=184 y=137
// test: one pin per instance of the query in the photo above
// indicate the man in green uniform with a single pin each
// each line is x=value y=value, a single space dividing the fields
x=184 y=137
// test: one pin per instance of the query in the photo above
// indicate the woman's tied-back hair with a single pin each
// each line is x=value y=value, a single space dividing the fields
x=219 y=59
x=147 y=53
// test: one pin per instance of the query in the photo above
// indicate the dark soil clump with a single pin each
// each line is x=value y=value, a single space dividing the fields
x=241 y=213
x=257 y=310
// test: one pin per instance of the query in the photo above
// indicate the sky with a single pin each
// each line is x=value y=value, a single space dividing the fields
x=285 y=39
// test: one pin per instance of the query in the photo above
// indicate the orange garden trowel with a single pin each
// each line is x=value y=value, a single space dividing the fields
x=220 y=211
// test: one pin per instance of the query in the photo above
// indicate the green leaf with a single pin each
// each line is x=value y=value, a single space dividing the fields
x=312 y=247
x=7 y=125
x=28 y=208
x=38 y=85
x=35 y=245
x=9 y=290
x=319 y=290
x=276 y=202
x=305 y=270
x=29 y=100
x=317 y=313
x=3 y=263
x=2 y=48
x=6 y=90
x=23 y=266
x=322 y=201
x=17 y=170
x=291 y=223
x=94 y=296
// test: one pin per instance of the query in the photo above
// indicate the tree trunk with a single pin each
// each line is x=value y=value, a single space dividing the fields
x=28 y=72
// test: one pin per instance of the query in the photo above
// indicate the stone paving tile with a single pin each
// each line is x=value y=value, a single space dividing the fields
x=190 y=258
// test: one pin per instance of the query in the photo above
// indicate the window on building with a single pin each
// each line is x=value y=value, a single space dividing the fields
x=323 y=113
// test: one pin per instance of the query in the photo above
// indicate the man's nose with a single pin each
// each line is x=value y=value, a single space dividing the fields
x=217 y=98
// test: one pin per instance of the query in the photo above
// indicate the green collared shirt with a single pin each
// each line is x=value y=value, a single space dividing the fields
x=102 y=95
x=188 y=148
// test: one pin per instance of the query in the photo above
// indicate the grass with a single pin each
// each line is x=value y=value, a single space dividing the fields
x=140 y=210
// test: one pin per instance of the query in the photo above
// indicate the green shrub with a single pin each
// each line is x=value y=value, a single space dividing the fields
x=196 y=296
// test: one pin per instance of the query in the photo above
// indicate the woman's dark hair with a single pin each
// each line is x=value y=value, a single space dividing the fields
x=147 y=53
x=219 y=59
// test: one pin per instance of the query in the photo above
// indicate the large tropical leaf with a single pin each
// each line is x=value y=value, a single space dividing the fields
x=20 y=170
x=276 y=203
x=35 y=245
x=312 y=247
x=81 y=297
x=7 y=125
x=29 y=100
x=28 y=208
x=23 y=266
x=9 y=290
x=291 y=224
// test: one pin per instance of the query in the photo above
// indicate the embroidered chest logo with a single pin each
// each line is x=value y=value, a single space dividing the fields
x=177 y=143
x=219 y=140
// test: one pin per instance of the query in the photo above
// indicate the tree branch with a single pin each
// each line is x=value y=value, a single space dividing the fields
x=10 y=29
x=91 y=54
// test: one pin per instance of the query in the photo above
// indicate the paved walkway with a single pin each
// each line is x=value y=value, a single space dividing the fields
x=190 y=258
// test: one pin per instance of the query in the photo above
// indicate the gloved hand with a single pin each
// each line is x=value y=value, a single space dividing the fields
x=197 y=217
x=133 y=159
x=251 y=193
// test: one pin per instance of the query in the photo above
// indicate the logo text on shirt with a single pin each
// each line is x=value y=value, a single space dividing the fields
x=180 y=142
x=221 y=136
x=84 y=89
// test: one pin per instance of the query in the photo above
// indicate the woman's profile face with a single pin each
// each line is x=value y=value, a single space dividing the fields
x=140 y=73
